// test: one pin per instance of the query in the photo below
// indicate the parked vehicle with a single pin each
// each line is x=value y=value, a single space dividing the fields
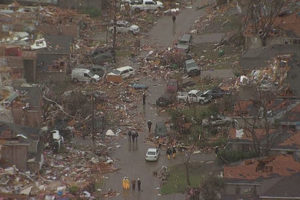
x=123 y=26
x=99 y=70
x=100 y=96
x=218 y=120
x=184 y=43
x=146 y=5
x=194 y=96
x=217 y=92
x=124 y=72
x=152 y=154
x=165 y=100
x=182 y=96
x=191 y=68
x=138 y=86
x=160 y=129
x=101 y=55
x=172 y=86
x=84 y=75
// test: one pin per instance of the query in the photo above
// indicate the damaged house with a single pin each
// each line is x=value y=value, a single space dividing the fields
x=20 y=146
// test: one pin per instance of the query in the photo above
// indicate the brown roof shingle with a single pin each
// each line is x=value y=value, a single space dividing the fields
x=282 y=165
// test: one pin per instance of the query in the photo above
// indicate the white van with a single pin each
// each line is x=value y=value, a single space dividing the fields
x=124 y=72
x=84 y=75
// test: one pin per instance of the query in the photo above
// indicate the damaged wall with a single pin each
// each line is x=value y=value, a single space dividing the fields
x=30 y=117
x=14 y=154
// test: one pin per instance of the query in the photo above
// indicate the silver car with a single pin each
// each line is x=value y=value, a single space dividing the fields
x=123 y=26
x=152 y=154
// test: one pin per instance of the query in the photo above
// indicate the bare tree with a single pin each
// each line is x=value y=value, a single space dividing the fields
x=258 y=117
x=261 y=15
x=115 y=11
x=194 y=140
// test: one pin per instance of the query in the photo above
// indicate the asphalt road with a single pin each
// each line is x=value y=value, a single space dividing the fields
x=165 y=33
x=129 y=157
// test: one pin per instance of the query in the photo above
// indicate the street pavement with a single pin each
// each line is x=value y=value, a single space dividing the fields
x=129 y=157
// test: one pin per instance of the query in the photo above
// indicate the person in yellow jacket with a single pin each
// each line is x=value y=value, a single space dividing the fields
x=124 y=183
x=127 y=184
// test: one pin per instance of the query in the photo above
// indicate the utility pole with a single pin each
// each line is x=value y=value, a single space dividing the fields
x=115 y=30
x=93 y=118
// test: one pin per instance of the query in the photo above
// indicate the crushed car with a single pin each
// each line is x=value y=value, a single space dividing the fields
x=217 y=92
x=84 y=75
x=165 y=100
x=101 y=55
x=218 y=120
x=191 y=68
x=194 y=96
x=123 y=26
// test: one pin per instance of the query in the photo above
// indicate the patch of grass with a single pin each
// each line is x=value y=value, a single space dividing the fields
x=92 y=12
x=74 y=189
x=123 y=53
x=221 y=141
x=177 y=180
x=224 y=23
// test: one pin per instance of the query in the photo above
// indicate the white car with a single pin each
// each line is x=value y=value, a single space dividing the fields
x=194 y=96
x=84 y=75
x=152 y=154
x=123 y=26
x=124 y=72
x=146 y=5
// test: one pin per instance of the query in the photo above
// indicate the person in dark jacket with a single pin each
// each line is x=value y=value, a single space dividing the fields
x=149 y=123
x=173 y=18
x=173 y=152
x=169 y=152
x=139 y=184
x=133 y=184
x=144 y=98
x=129 y=135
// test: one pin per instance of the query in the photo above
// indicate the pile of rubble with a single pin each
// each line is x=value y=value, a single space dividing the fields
x=271 y=78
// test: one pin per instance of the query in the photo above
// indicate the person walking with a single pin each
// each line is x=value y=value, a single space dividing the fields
x=169 y=152
x=174 y=152
x=129 y=135
x=174 y=25
x=133 y=136
x=136 y=135
x=144 y=98
x=173 y=18
x=216 y=151
x=139 y=184
x=149 y=123
x=133 y=181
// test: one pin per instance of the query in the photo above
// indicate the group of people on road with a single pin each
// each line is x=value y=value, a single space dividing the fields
x=126 y=183
x=132 y=136
x=171 y=152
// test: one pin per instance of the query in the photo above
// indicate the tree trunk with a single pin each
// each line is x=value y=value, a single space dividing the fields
x=114 y=32
x=264 y=41
x=187 y=171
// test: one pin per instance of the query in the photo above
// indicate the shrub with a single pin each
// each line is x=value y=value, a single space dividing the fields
x=74 y=189
x=92 y=12
x=234 y=156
